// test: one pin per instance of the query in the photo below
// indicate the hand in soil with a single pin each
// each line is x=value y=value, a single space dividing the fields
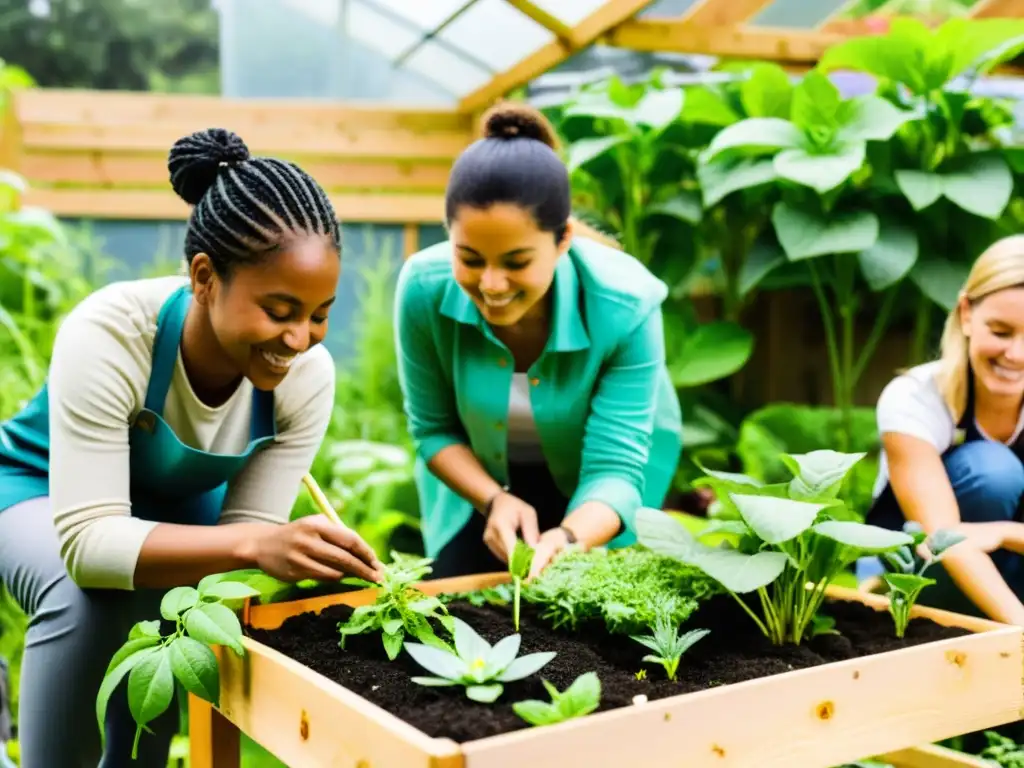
x=550 y=544
x=510 y=515
x=313 y=547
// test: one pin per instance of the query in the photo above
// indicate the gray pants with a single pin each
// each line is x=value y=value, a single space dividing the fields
x=72 y=635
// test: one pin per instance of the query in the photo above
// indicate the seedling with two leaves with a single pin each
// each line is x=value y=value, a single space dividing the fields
x=668 y=644
x=400 y=608
x=519 y=568
x=906 y=578
x=579 y=699
x=482 y=668
x=791 y=541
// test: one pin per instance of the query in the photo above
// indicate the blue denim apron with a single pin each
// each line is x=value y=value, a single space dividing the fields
x=171 y=482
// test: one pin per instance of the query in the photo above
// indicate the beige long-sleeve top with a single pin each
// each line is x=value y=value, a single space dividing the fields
x=98 y=378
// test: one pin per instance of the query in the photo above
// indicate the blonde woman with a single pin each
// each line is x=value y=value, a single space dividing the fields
x=952 y=448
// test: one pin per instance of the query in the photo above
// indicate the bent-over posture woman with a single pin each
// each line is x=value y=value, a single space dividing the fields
x=953 y=451
x=532 y=362
x=177 y=421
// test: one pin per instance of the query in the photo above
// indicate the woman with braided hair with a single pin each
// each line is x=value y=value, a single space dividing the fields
x=178 y=418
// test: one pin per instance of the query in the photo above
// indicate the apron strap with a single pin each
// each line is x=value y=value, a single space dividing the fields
x=263 y=422
x=169 y=325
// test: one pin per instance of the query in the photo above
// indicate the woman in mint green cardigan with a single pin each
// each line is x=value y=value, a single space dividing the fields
x=532 y=363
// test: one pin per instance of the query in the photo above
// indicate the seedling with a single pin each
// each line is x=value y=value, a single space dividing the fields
x=519 y=568
x=791 y=542
x=668 y=645
x=579 y=699
x=908 y=565
x=202 y=616
x=476 y=664
x=400 y=609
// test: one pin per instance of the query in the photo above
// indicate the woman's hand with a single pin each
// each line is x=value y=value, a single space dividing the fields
x=313 y=547
x=508 y=516
x=985 y=537
x=550 y=546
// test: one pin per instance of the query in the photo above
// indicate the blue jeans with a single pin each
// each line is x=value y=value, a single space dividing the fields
x=988 y=482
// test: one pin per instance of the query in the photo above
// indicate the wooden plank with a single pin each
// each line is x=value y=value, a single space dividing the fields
x=552 y=24
x=410 y=239
x=612 y=13
x=213 y=740
x=160 y=137
x=154 y=204
x=111 y=169
x=55 y=105
x=997 y=9
x=306 y=720
x=932 y=756
x=721 y=13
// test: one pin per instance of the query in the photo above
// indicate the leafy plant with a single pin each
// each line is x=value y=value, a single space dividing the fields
x=153 y=658
x=581 y=698
x=519 y=568
x=476 y=664
x=625 y=589
x=1002 y=751
x=668 y=644
x=400 y=608
x=907 y=579
x=790 y=545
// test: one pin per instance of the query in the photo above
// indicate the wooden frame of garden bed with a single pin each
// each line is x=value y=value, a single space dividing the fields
x=810 y=718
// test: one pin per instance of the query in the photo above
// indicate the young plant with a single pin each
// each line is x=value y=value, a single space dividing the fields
x=579 y=699
x=791 y=542
x=519 y=569
x=200 y=617
x=476 y=664
x=907 y=579
x=668 y=645
x=400 y=609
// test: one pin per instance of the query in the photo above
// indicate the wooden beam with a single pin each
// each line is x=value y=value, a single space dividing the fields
x=552 y=24
x=932 y=756
x=157 y=205
x=607 y=17
x=790 y=46
x=997 y=9
x=723 y=13
x=410 y=239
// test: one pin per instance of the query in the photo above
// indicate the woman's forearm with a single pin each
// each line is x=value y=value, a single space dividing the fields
x=176 y=555
x=593 y=523
x=459 y=468
x=977 y=576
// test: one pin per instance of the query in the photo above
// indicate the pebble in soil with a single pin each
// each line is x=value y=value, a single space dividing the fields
x=734 y=651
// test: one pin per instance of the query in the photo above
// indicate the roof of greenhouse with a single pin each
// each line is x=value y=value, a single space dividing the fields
x=478 y=49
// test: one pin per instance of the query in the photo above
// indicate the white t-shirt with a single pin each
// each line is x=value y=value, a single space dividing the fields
x=98 y=378
x=912 y=405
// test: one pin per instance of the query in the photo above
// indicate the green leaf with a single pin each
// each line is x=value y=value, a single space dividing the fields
x=583 y=151
x=940 y=280
x=215 y=624
x=816 y=102
x=684 y=205
x=145 y=629
x=658 y=109
x=892 y=256
x=501 y=655
x=468 y=643
x=434 y=682
x=767 y=92
x=712 y=352
x=821 y=172
x=519 y=563
x=582 y=697
x=392 y=643
x=871 y=118
x=740 y=573
x=756 y=132
x=907 y=583
x=819 y=474
x=896 y=56
x=981 y=185
x=775 y=520
x=391 y=626
x=525 y=666
x=942 y=540
x=130 y=648
x=804 y=235
x=921 y=188
x=537 y=712
x=195 y=666
x=762 y=258
x=176 y=601
x=441 y=663
x=726 y=175
x=229 y=590
x=662 y=533
x=112 y=679
x=869 y=539
x=485 y=694
x=151 y=687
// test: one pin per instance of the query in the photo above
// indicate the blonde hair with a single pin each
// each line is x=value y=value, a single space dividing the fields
x=999 y=267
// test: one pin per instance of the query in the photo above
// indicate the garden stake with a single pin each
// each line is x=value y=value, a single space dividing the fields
x=320 y=499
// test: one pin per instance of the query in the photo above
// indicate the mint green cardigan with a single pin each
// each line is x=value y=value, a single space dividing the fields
x=608 y=417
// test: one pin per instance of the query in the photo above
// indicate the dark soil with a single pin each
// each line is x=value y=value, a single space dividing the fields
x=734 y=651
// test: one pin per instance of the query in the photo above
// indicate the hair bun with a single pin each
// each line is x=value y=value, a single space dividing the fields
x=196 y=159
x=510 y=120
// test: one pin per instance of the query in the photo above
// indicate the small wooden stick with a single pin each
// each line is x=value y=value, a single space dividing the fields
x=321 y=499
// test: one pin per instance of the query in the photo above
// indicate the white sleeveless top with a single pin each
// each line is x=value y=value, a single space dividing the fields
x=523 y=440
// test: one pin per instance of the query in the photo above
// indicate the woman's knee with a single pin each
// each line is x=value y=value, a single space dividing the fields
x=988 y=480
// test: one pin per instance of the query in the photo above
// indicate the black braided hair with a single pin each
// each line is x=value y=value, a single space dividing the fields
x=244 y=206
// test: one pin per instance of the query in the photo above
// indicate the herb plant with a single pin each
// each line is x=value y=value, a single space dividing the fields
x=153 y=658
x=907 y=564
x=625 y=589
x=791 y=542
x=668 y=644
x=579 y=699
x=400 y=608
x=519 y=569
x=476 y=664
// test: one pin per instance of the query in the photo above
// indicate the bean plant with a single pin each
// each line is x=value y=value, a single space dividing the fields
x=581 y=698
x=791 y=541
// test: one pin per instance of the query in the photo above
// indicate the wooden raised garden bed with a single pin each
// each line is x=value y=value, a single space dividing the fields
x=798 y=707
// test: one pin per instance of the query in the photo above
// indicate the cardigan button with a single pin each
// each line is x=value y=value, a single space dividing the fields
x=502 y=362
x=535 y=382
